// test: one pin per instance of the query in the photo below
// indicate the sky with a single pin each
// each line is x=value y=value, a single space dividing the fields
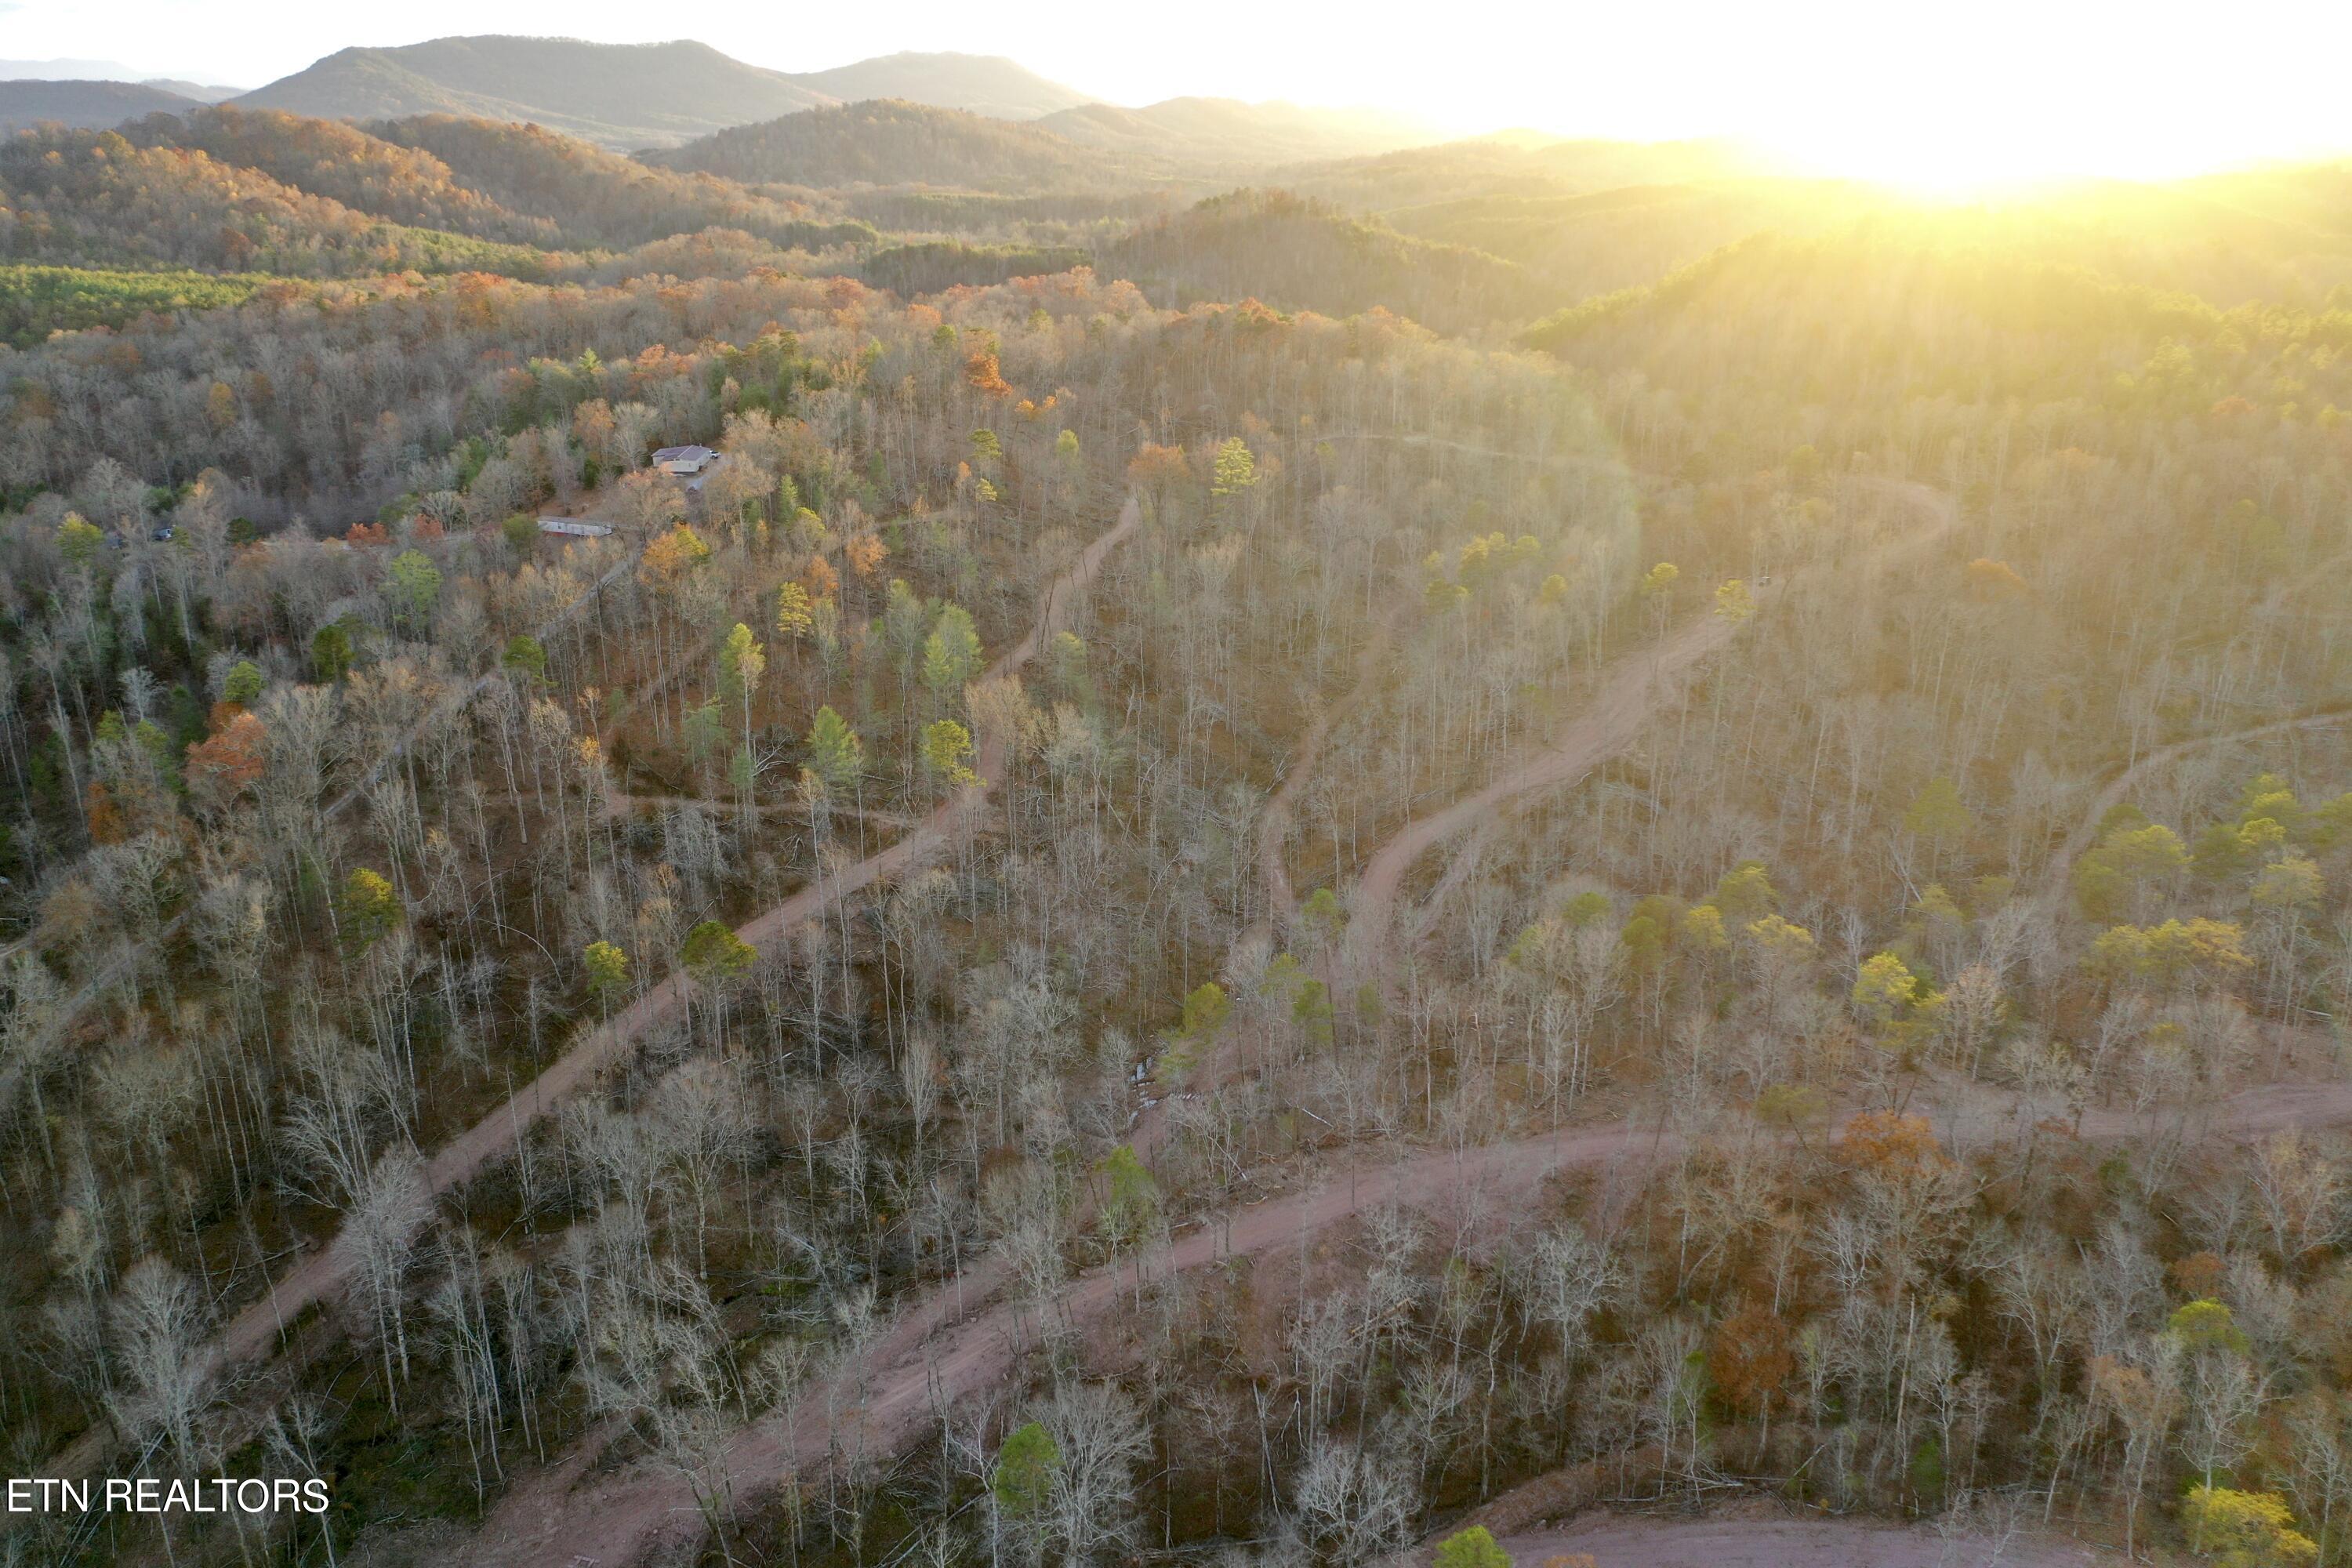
x=1897 y=90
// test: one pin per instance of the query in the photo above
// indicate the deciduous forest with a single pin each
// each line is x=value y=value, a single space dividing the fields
x=897 y=839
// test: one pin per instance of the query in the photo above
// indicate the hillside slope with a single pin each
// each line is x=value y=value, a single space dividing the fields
x=1302 y=255
x=81 y=105
x=982 y=84
x=1225 y=130
x=94 y=198
x=892 y=142
x=618 y=95
x=598 y=198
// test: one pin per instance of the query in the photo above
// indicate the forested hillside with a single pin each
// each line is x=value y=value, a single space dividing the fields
x=81 y=105
x=889 y=142
x=1261 y=873
x=617 y=95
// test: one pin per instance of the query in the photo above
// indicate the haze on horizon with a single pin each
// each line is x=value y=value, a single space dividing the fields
x=1925 y=98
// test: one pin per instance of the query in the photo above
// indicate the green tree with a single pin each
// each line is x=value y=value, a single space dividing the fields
x=2206 y=1325
x=1473 y=1548
x=1745 y=893
x=952 y=653
x=415 y=586
x=331 y=652
x=713 y=955
x=526 y=657
x=1733 y=602
x=366 y=911
x=1938 y=816
x=1323 y=915
x=243 y=683
x=608 y=970
x=80 y=539
x=1134 y=1201
x=836 y=754
x=946 y=745
x=704 y=729
x=1236 y=469
x=1023 y=1481
x=1893 y=999
x=520 y=532
x=2294 y=882
x=1207 y=1008
x=2134 y=853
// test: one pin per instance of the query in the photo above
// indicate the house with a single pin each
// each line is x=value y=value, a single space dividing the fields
x=683 y=459
x=575 y=527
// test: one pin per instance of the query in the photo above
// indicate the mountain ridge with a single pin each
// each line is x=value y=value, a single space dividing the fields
x=82 y=105
x=632 y=96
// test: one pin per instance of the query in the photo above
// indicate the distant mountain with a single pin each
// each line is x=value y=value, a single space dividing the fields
x=621 y=96
x=888 y=143
x=596 y=196
x=68 y=70
x=110 y=70
x=1517 y=163
x=1298 y=254
x=981 y=84
x=82 y=105
x=1225 y=131
x=203 y=92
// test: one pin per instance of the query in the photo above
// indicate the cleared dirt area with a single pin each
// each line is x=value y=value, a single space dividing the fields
x=1749 y=1538
x=1791 y=1543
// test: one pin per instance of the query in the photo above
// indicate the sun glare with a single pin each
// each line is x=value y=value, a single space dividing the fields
x=1940 y=158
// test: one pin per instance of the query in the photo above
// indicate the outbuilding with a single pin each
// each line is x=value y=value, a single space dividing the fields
x=683 y=460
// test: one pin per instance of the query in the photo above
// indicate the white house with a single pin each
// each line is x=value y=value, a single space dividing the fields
x=574 y=526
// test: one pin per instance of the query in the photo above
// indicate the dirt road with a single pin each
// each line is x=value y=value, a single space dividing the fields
x=254 y=1333
x=1626 y=698
x=933 y=1356
x=2055 y=881
x=1623 y=1540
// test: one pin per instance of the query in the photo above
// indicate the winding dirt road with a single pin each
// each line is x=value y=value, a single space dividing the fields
x=884 y=1397
x=2055 y=882
x=254 y=1333
x=1629 y=693
x=934 y=1355
x=879 y=1401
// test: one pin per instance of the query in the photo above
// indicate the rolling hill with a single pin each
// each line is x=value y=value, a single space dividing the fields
x=891 y=142
x=93 y=198
x=81 y=105
x=618 y=95
x=981 y=84
x=1296 y=254
x=598 y=198
x=1228 y=132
